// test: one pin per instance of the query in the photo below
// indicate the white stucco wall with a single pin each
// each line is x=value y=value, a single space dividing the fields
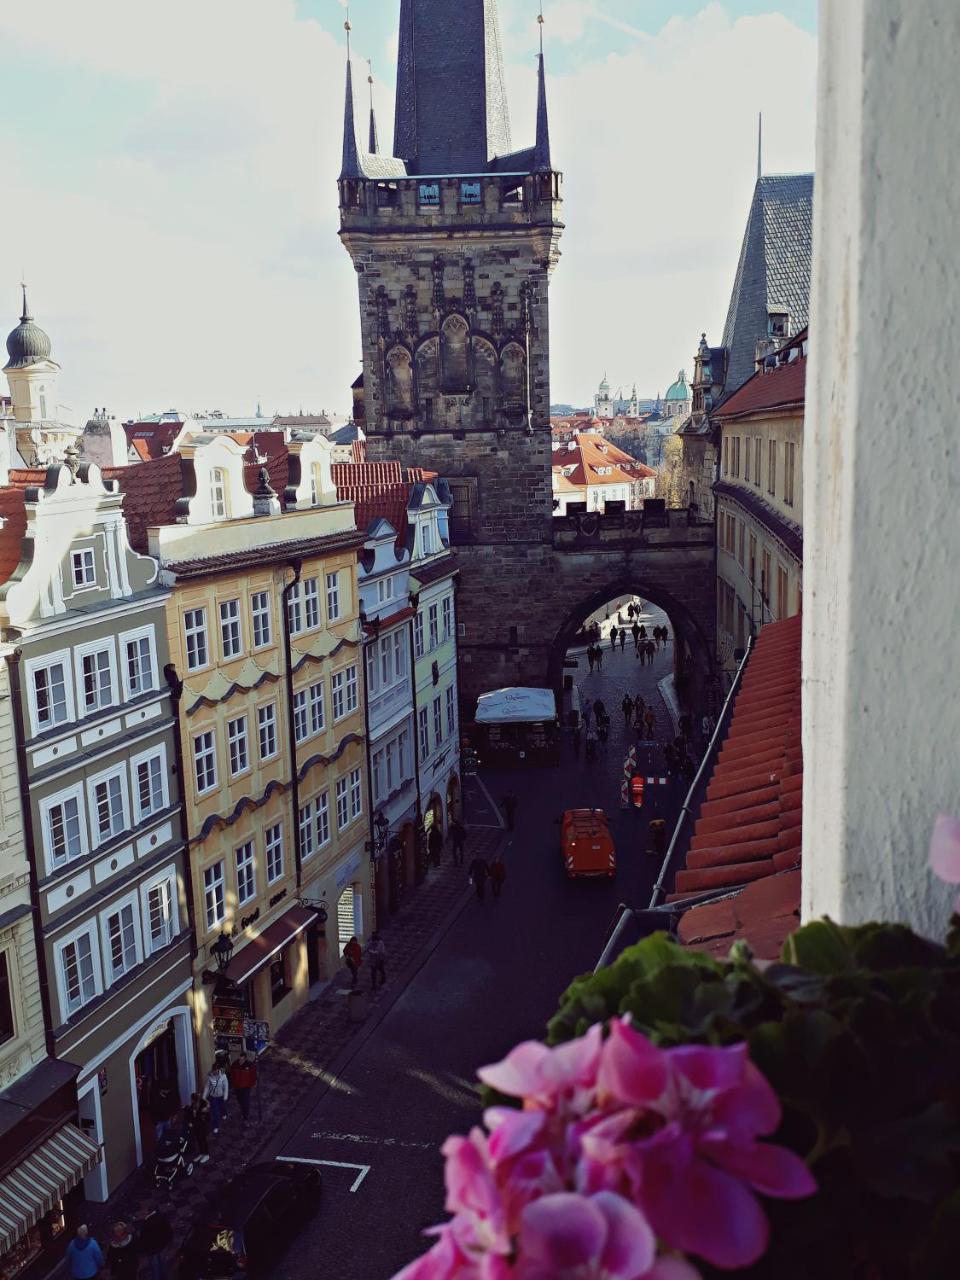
x=882 y=576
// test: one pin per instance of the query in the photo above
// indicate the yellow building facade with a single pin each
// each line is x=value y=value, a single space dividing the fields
x=264 y=635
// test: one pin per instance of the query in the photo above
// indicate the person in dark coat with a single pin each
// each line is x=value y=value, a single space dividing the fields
x=458 y=839
x=243 y=1078
x=591 y=659
x=623 y=638
x=154 y=1236
x=613 y=637
x=635 y=632
x=509 y=804
x=498 y=873
x=164 y=1105
x=122 y=1253
x=435 y=844
x=196 y=1120
x=353 y=958
x=479 y=871
x=626 y=706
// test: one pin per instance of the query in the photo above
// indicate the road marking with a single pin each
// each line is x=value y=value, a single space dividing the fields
x=493 y=805
x=333 y=1164
x=370 y=1141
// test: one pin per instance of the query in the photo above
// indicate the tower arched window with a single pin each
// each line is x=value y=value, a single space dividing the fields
x=513 y=378
x=399 y=383
x=455 y=355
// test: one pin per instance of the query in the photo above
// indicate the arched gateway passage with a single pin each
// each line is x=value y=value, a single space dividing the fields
x=693 y=651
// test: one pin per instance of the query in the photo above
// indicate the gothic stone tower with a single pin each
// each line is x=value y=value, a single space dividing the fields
x=454 y=238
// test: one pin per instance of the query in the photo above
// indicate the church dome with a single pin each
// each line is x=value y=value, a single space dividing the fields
x=604 y=386
x=679 y=390
x=27 y=344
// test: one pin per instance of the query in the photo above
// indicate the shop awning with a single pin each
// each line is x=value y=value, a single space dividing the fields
x=516 y=706
x=44 y=1177
x=261 y=950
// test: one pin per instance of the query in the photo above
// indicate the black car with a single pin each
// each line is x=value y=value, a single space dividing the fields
x=250 y=1221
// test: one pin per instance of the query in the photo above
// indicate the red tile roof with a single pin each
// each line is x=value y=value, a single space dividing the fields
x=779 y=388
x=150 y=490
x=14 y=517
x=749 y=826
x=590 y=453
x=152 y=440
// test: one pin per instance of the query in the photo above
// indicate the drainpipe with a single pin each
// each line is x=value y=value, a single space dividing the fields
x=29 y=839
x=416 y=732
x=176 y=696
x=296 y=567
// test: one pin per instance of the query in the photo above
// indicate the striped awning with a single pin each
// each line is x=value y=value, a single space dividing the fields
x=44 y=1177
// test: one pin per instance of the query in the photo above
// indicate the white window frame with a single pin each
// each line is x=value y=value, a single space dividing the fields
x=446 y=616
x=306 y=836
x=145 y=758
x=204 y=791
x=338 y=691
x=83 y=559
x=134 y=637
x=372 y=660
x=423 y=729
x=93 y=648
x=295 y=610
x=433 y=625
x=356 y=787
x=193 y=630
x=321 y=817
x=219 y=492
x=301 y=716
x=132 y=902
x=438 y=720
x=234 y=623
x=351 y=689
x=261 y=619
x=273 y=726
x=419 y=646
x=317 y=703
x=49 y=803
x=451 y=711
x=249 y=863
x=311 y=604
x=223 y=895
x=377 y=767
x=88 y=929
x=384 y=590
x=334 y=612
x=341 y=790
x=166 y=877
x=240 y=740
x=118 y=771
x=399 y=655
x=61 y=658
x=273 y=844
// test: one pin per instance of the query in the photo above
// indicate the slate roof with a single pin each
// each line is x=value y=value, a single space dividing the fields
x=749 y=826
x=451 y=108
x=773 y=273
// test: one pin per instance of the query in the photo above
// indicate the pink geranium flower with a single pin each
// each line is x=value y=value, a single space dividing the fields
x=571 y=1237
x=945 y=850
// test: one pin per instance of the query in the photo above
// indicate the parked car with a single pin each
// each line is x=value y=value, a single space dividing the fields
x=253 y=1217
x=586 y=844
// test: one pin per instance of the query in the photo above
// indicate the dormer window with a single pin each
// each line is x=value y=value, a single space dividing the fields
x=428 y=194
x=316 y=484
x=84 y=568
x=218 y=493
x=384 y=590
x=469 y=192
x=779 y=324
x=428 y=547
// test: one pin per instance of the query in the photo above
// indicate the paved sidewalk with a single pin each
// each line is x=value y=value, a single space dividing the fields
x=296 y=1069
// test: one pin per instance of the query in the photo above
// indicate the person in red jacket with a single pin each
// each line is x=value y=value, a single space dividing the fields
x=243 y=1077
x=353 y=957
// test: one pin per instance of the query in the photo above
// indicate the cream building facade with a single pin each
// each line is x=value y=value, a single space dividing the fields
x=759 y=500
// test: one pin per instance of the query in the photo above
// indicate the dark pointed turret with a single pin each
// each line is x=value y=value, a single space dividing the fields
x=451 y=114
x=351 y=167
x=374 y=147
x=541 y=152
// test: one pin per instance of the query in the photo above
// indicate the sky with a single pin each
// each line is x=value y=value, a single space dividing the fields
x=169 y=185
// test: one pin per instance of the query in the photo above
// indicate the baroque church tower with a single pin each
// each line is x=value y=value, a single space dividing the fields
x=454 y=238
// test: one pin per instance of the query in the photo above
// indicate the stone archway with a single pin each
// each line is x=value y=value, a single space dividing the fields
x=693 y=655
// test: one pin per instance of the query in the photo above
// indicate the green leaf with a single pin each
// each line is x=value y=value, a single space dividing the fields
x=821 y=946
x=911 y=1156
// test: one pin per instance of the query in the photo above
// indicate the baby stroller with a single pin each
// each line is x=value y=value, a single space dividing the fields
x=172 y=1159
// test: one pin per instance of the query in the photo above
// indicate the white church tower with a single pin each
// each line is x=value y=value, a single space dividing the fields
x=32 y=377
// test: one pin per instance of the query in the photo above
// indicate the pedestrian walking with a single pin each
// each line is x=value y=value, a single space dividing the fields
x=598 y=708
x=685 y=725
x=635 y=632
x=658 y=834
x=196 y=1120
x=643 y=633
x=155 y=1235
x=613 y=637
x=122 y=1253
x=84 y=1258
x=498 y=873
x=670 y=756
x=435 y=843
x=596 y=631
x=216 y=1090
x=598 y=654
x=458 y=839
x=649 y=719
x=243 y=1078
x=630 y=610
x=377 y=951
x=651 y=652
x=626 y=706
x=640 y=703
x=353 y=958
x=163 y=1106
x=509 y=804
x=576 y=742
x=590 y=739
x=590 y=656
x=603 y=728
x=586 y=711
x=479 y=870
x=689 y=768
x=623 y=638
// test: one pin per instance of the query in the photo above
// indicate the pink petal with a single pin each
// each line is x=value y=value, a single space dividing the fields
x=698 y=1209
x=771 y=1169
x=749 y=1109
x=630 y=1248
x=512 y=1131
x=707 y=1068
x=562 y=1232
x=576 y=1063
x=522 y=1073
x=439 y=1263
x=632 y=1070
x=945 y=848
x=469 y=1183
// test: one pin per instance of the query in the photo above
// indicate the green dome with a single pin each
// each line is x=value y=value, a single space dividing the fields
x=679 y=390
x=27 y=343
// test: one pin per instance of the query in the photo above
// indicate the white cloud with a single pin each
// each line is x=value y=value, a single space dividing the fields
x=189 y=255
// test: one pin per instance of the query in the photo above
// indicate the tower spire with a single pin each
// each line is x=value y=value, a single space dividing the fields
x=374 y=147
x=759 y=145
x=541 y=154
x=25 y=315
x=351 y=167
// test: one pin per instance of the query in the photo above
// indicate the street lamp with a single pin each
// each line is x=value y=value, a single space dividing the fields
x=381 y=828
x=222 y=951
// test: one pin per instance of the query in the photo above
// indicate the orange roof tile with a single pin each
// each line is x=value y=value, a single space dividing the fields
x=749 y=825
x=14 y=517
